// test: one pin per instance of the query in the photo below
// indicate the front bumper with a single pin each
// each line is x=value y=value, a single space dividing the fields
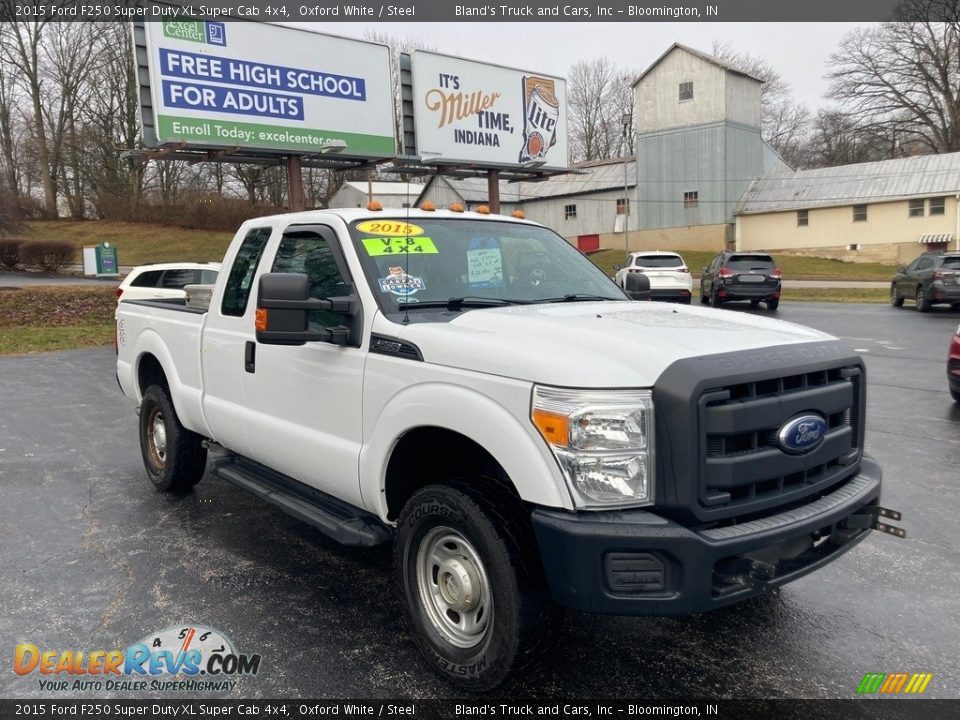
x=634 y=562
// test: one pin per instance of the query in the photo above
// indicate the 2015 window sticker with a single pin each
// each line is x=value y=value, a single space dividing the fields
x=401 y=284
x=378 y=246
x=390 y=228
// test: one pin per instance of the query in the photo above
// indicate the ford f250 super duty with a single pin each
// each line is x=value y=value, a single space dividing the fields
x=473 y=389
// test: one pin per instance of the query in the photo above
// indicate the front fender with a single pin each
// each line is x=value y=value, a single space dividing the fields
x=514 y=444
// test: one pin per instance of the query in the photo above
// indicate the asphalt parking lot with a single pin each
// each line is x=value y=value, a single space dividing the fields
x=94 y=558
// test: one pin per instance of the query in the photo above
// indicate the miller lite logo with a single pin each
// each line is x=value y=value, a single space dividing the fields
x=541 y=112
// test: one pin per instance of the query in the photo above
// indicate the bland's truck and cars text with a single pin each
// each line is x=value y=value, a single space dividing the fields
x=474 y=389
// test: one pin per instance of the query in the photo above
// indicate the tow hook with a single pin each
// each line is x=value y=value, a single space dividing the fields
x=870 y=518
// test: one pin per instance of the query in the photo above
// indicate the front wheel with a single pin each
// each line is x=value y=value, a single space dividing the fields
x=923 y=305
x=895 y=299
x=173 y=456
x=473 y=591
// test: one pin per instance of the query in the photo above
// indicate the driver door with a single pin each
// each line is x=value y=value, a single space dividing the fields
x=305 y=401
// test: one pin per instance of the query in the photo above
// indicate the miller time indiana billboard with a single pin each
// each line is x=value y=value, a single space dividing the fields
x=269 y=87
x=466 y=111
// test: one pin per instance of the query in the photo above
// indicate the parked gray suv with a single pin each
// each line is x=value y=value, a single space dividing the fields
x=931 y=279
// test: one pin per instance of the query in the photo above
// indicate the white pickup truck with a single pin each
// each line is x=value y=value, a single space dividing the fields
x=474 y=389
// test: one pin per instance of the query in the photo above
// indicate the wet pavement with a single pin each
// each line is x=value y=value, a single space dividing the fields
x=94 y=558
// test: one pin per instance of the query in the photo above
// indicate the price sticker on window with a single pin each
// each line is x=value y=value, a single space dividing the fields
x=391 y=228
x=399 y=246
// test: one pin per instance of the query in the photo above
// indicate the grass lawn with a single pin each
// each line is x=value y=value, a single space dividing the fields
x=55 y=318
x=794 y=267
x=855 y=295
x=136 y=243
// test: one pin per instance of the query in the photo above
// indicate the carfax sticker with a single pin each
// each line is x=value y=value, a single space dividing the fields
x=399 y=246
x=389 y=228
x=399 y=283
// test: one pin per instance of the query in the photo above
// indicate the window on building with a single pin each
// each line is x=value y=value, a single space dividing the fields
x=623 y=206
x=570 y=211
x=686 y=91
x=859 y=213
x=938 y=206
x=916 y=208
x=803 y=218
x=691 y=199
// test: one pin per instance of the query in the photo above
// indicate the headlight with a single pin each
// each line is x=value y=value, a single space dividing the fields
x=603 y=440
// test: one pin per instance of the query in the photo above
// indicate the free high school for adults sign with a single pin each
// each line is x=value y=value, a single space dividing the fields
x=262 y=86
x=486 y=114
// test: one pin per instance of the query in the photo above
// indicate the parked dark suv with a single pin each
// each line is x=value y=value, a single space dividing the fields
x=931 y=279
x=741 y=276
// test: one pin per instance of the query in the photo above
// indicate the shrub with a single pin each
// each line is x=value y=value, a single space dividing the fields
x=48 y=255
x=10 y=252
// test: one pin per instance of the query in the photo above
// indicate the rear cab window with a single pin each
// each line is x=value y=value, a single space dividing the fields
x=176 y=279
x=236 y=293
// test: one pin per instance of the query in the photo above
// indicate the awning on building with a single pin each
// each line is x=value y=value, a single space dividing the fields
x=935 y=238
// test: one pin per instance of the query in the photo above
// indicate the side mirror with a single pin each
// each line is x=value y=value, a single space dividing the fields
x=638 y=286
x=618 y=267
x=901 y=268
x=703 y=269
x=283 y=312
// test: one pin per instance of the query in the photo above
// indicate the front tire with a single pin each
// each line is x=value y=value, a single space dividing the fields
x=895 y=298
x=173 y=456
x=474 y=596
x=923 y=305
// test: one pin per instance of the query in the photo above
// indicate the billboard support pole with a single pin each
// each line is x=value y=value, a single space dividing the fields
x=295 y=184
x=493 y=191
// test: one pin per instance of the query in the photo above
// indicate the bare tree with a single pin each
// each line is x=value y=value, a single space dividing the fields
x=20 y=45
x=8 y=159
x=588 y=87
x=903 y=78
x=783 y=121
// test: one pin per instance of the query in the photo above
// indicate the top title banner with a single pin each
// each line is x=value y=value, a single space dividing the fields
x=480 y=11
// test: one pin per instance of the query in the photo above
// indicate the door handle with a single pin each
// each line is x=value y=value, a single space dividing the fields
x=250 y=357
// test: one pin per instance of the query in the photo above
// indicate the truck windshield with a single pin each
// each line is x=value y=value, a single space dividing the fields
x=483 y=263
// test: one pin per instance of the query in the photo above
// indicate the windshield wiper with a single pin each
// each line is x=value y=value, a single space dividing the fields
x=456 y=303
x=575 y=297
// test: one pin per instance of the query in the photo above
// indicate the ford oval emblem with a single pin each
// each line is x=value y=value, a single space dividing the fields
x=802 y=434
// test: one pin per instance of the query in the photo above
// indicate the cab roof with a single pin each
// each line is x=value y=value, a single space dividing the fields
x=349 y=215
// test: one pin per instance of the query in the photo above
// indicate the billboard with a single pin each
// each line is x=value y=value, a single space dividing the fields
x=268 y=87
x=486 y=114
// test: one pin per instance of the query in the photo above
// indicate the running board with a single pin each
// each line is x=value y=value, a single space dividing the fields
x=336 y=519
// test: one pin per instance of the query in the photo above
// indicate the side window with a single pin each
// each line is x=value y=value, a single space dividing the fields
x=914 y=265
x=237 y=291
x=176 y=279
x=306 y=251
x=926 y=264
x=207 y=277
x=147 y=279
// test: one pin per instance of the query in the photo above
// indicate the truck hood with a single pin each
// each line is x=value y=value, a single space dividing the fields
x=594 y=344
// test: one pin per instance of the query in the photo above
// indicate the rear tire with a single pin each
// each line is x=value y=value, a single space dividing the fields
x=715 y=299
x=474 y=595
x=704 y=300
x=173 y=456
x=955 y=394
x=923 y=305
x=754 y=303
x=773 y=304
x=895 y=298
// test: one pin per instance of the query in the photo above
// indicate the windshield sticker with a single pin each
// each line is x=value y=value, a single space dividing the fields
x=394 y=228
x=399 y=283
x=376 y=247
x=485 y=268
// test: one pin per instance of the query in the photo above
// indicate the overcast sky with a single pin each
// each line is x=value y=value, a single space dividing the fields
x=798 y=50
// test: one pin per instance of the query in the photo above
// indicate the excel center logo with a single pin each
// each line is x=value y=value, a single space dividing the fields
x=899 y=683
x=192 y=658
x=209 y=33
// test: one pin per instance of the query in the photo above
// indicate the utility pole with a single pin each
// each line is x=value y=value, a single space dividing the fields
x=627 y=123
